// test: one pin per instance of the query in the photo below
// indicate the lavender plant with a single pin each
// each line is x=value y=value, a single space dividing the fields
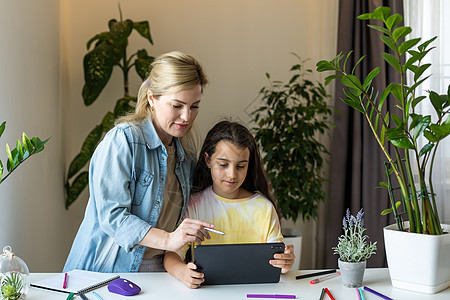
x=353 y=245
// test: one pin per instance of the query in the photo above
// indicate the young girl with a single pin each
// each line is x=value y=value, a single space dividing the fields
x=232 y=192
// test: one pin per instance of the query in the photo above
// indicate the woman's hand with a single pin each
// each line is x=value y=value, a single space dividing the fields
x=285 y=260
x=189 y=231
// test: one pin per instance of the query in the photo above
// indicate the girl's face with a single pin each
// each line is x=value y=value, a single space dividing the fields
x=229 y=165
x=173 y=114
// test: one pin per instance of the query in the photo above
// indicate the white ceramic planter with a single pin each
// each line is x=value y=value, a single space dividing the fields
x=418 y=262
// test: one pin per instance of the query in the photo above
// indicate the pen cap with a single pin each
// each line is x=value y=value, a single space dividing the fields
x=14 y=275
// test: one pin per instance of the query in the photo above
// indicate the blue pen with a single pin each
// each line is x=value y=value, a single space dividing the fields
x=97 y=295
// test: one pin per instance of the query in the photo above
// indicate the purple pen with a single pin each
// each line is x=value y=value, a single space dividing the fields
x=376 y=293
x=265 y=296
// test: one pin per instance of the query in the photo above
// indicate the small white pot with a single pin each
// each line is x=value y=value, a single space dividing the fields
x=352 y=273
x=418 y=262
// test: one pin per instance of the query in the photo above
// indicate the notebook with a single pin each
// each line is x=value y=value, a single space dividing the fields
x=238 y=263
x=78 y=281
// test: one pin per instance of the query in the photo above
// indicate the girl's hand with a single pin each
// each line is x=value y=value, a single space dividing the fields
x=189 y=231
x=190 y=277
x=285 y=260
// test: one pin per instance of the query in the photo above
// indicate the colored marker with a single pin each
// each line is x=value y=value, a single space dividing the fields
x=378 y=294
x=322 y=293
x=265 y=296
x=65 y=281
x=358 y=294
x=361 y=294
x=70 y=296
x=215 y=231
x=97 y=296
x=320 y=279
x=329 y=294
x=315 y=274
x=84 y=297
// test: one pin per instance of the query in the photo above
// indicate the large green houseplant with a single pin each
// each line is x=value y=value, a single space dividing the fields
x=400 y=129
x=289 y=123
x=25 y=148
x=109 y=51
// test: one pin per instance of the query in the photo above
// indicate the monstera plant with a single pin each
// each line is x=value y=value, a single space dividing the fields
x=108 y=50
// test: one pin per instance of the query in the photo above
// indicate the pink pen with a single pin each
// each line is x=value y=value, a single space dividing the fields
x=65 y=281
x=320 y=279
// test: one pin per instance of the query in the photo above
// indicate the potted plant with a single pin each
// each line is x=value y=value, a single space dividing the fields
x=353 y=250
x=401 y=130
x=25 y=148
x=289 y=122
x=109 y=50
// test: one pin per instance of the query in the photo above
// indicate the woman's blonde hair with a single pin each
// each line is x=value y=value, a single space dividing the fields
x=169 y=73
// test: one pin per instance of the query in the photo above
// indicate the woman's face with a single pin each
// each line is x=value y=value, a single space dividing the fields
x=229 y=165
x=173 y=114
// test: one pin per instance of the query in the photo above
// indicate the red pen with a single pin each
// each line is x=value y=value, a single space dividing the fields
x=329 y=294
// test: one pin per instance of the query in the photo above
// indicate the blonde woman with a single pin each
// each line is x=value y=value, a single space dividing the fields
x=140 y=176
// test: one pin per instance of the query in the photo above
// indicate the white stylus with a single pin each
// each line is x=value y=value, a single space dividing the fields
x=215 y=231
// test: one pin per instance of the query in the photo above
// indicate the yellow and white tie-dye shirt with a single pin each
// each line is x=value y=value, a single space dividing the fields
x=247 y=220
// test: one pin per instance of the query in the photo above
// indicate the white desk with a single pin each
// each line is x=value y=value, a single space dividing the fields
x=163 y=286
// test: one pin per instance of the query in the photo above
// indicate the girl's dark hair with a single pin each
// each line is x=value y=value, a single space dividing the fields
x=237 y=134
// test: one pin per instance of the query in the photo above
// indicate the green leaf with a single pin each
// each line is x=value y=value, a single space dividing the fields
x=396 y=90
x=351 y=81
x=2 y=128
x=367 y=16
x=417 y=100
x=86 y=152
x=401 y=32
x=379 y=28
x=143 y=28
x=1 y=170
x=98 y=65
x=389 y=210
x=332 y=77
x=78 y=185
x=419 y=71
x=10 y=161
x=388 y=41
x=403 y=143
x=19 y=150
x=425 y=149
x=354 y=104
x=370 y=77
x=393 y=21
x=436 y=101
x=322 y=66
x=430 y=136
x=390 y=59
x=142 y=63
x=421 y=126
x=398 y=122
x=424 y=45
x=405 y=46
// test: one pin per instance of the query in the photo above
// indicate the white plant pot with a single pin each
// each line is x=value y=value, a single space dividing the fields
x=418 y=262
x=291 y=236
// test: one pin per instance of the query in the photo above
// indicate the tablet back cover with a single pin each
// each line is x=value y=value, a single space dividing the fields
x=238 y=263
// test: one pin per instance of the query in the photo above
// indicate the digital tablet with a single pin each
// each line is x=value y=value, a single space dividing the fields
x=238 y=263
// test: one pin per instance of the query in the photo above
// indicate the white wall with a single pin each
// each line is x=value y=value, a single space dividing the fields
x=32 y=216
x=237 y=41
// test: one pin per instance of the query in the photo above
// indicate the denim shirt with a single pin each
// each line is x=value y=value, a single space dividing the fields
x=127 y=177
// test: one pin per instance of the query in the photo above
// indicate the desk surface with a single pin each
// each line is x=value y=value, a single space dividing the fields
x=164 y=286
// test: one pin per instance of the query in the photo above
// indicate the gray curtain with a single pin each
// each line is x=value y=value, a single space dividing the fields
x=357 y=163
